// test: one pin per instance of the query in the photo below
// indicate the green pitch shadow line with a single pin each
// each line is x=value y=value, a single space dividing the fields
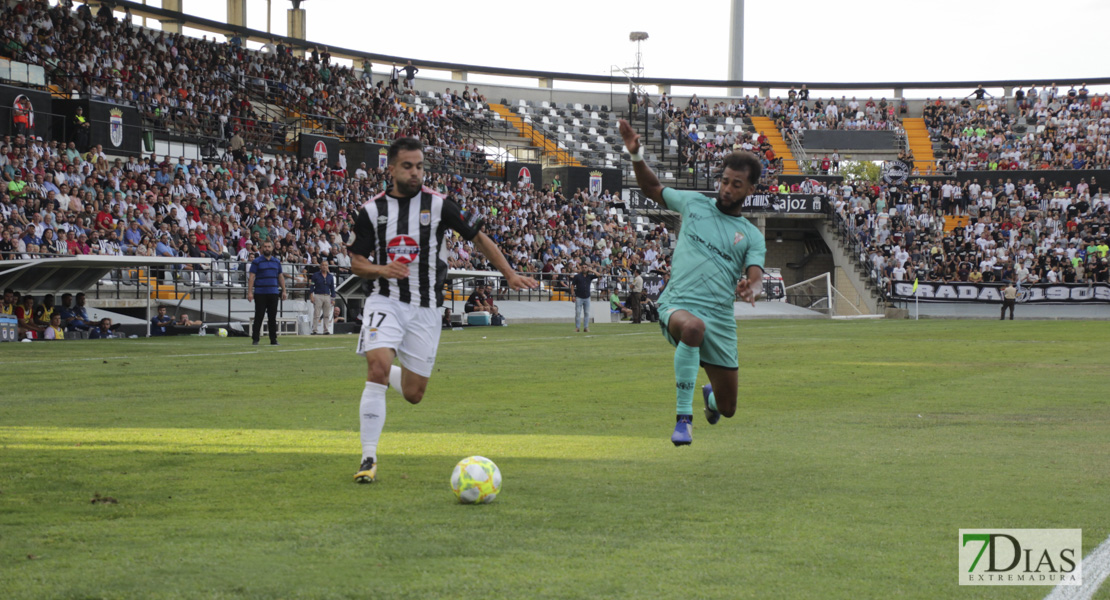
x=260 y=441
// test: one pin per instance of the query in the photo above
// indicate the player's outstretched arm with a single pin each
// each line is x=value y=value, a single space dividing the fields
x=645 y=178
x=493 y=254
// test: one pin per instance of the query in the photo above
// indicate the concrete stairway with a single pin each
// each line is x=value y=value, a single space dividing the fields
x=549 y=148
x=767 y=127
x=917 y=138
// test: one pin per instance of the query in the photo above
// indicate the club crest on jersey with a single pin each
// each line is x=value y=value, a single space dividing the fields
x=425 y=218
x=736 y=239
x=403 y=249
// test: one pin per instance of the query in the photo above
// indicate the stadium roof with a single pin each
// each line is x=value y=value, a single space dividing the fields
x=75 y=273
x=215 y=26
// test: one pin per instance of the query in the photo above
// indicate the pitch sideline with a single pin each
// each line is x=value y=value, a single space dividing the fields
x=1096 y=567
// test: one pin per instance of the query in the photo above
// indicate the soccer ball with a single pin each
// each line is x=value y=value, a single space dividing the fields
x=476 y=480
x=221 y=332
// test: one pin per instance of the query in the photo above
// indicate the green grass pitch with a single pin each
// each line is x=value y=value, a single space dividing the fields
x=859 y=451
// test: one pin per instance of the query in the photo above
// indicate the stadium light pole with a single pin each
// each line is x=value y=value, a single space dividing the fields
x=297 y=27
x=639 y=37
x=736 y=46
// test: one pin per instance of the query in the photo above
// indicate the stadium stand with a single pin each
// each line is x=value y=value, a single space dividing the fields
x=1049 y=130
x=203 y=88
x=991 y=231
x=59 y=199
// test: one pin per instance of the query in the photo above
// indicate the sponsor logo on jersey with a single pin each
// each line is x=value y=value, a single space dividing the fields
x=403 y=249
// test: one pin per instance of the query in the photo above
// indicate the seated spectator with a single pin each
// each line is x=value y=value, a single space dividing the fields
x=54 y=331
x=446 y=323
x=185 y=321
x=337 y=315
x=160 y=324
x=74 y=318
x=28 y=327
x=45 y=311
x=479 y=301
x=615 y=305
x=105 y=330
x=649 y=310
x=7 y=307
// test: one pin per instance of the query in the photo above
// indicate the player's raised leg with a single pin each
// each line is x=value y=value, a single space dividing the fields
x=407 y=383
x=687 y=331
x=720 y=395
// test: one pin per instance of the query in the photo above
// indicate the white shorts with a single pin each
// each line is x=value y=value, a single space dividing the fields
x=409 y=330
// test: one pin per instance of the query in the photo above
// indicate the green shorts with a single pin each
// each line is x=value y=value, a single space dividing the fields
x=718 y=347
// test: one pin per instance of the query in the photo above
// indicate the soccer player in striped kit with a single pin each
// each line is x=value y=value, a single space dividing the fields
x=399 y=249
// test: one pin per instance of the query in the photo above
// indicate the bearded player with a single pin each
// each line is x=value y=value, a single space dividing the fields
x=400 y=250
x=719 y=256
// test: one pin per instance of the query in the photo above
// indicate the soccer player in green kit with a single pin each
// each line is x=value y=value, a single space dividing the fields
x=719 y=256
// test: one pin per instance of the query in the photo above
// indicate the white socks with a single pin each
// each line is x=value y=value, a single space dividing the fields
x=372 y=412
x=371 y=416
x=395 y=378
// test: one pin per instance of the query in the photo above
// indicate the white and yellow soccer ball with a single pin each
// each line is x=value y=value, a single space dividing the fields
x=476 y=480
x=221 y=332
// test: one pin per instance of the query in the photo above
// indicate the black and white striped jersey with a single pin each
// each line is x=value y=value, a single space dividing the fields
x=412 y=231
